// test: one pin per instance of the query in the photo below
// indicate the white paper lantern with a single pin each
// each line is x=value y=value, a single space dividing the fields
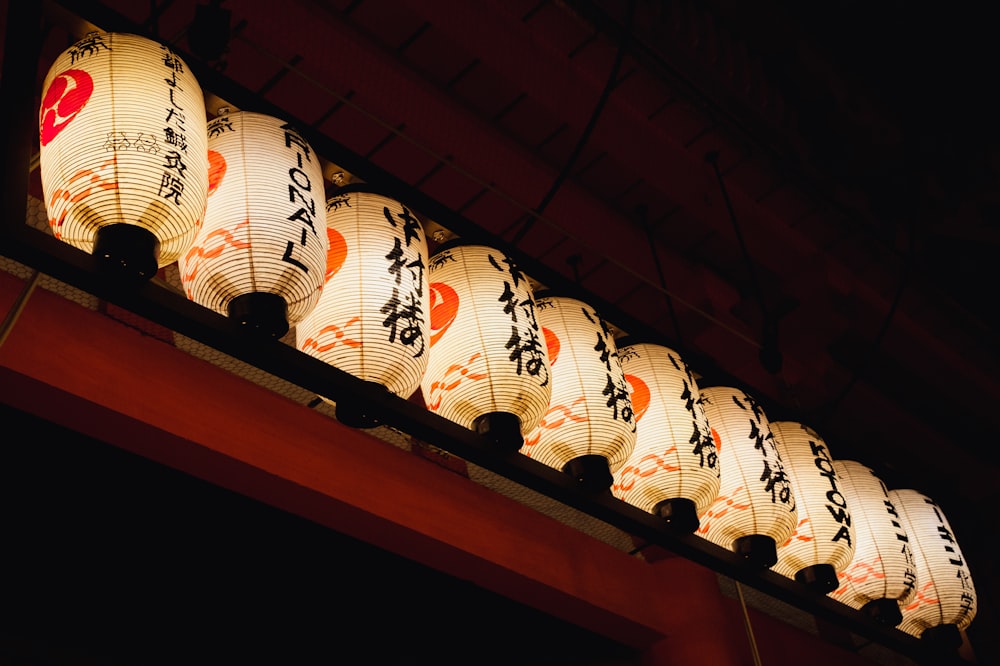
x=673 y=471
x=373 y=317
x=489 y=367
x=588 y=430
x=944 y=603
x=755 y=509
x=823 y=542
x=882 y=573
x=123 y=156
x=260 y=256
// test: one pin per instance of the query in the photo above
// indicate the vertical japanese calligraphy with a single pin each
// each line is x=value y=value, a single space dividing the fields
x=488 y=353
x=590 y=411
x=674 y=457
x=123 y=141
x=882 y=573
x=944 y=594
x=752 y=476
x=373 y=318
x=823 y=542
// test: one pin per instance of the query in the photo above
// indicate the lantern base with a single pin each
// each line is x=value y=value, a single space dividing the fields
x=680 y=514
x=127 y=251
x=884 y=611
x=591 y=472
x=260 y=313
x=758 y=550
x=503 y=428
x=358 y=413
x=942 y=638
x=820 y=578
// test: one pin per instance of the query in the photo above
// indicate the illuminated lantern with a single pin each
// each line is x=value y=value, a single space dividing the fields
x=945 y=600
x=823 y=542
x=882 y=573
x=372 y=319
x=673 y=471
x=755 y=509
x=260 y=257
x=588 y=430
x=123 y=154
x=489 y=367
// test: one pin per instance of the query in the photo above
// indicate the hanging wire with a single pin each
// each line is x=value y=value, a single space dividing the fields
x=609 y=86
x=747 y=625
x=862 y=366
x=770 y=355
x=643 y=214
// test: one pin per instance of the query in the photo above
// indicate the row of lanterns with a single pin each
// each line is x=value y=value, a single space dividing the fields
x=132 y=174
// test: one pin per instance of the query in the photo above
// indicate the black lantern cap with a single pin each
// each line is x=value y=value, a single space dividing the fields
x=821 y=578
x=503 y=428
x=942 y=639
x=260 y=314
x=884 y=611
x=758 y=550
x=591 y=472
x=127 y=251
x=680 y=513
x=359 y=413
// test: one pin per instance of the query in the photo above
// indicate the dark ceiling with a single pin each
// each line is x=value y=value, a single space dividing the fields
x=802 y=201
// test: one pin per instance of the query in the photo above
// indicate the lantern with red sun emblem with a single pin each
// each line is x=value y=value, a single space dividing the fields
x=588 y=430
x=489 y=366
x=882 y=574
x=123 y=154
x=372 y=320
x=945 y=602
x=673 y=471
x=755 y=509
x=823 y=542
x=260 y=256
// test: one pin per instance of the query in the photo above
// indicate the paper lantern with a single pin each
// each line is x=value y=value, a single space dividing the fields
x=489 y=366
x=260 y=256
x=944 y=603
x=755 y=509
x=123 y=157
x=673 y=471
x=372 y=319
x=588 y=430
x=823 y=542
x=882 y=573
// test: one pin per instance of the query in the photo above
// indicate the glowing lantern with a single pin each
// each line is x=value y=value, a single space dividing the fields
x=489 y=367
x=823 y=542
x=123 y=154
x=755 y=509
x=945 y=600
x=673 y=471
x=260 y=256
x=588 y=430
x=372 y=319
x=882 y=574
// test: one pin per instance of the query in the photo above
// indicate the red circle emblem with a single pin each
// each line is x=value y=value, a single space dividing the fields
x=67 y=95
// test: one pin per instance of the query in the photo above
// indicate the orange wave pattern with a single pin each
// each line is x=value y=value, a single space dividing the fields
x=796 y=536
x=631 y=473
x=922 y=599
x=97 y=179
x=449 y=382
x=219 y=240
x=562 y=414
x=720 y=508
x=858 y=573
x=339 y=337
